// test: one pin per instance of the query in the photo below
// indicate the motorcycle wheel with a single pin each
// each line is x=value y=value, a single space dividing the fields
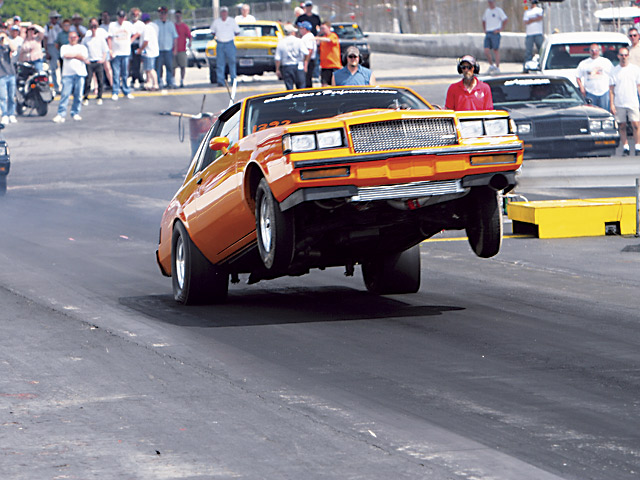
x=19 y=108
x=41 y=107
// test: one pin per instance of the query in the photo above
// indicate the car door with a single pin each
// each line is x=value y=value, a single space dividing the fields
x=215 y=227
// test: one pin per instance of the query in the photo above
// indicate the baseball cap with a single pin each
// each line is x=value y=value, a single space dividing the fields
x=122 y=13
x=288 y=28
x=15 y=27
x=305 y=24
x=308 y=3
x=162 y=9
x=470 y=59
x=17 y=19
x=145 y=17
x=352 y=50
x=54 y=14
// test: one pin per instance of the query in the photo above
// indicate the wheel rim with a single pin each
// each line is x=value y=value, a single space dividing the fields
x=180 y=262
x=265 y=226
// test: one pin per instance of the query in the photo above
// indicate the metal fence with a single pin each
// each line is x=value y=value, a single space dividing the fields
x=422 y=16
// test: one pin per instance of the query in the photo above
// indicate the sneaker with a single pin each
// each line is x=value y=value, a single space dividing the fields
x=13 y=119
x=625 y=151
x=114 y=97
x=99 y=101
x=4 y=120
x=85 y=102
x=58 y=119
x=76 y=117
x=496 y=70
x=130 y=96
x=181 y=85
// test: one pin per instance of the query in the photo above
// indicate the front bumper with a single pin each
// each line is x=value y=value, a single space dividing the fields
x=570 y=146
x=250 y=65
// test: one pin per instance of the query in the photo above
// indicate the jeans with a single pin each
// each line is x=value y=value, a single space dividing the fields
x=165 y=58
x=529 y=41
x=292 y=76
x=309 y=75
x=225 y=55
x=38 y=64
x=8 y=95
x=71 y=84
x=98 y=69
x=601 y=101
x=54 y=53
x=120 y=65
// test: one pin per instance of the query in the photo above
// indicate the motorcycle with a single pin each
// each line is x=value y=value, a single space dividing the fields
x=34 y=89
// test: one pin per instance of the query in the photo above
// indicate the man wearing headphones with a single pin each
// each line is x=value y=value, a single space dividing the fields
x=470 y=93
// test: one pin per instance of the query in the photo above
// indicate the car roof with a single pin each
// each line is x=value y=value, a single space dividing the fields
x=499 y=78
x=260 y=22
x=586 y=37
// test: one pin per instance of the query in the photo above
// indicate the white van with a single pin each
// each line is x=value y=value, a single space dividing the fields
x=562 y=52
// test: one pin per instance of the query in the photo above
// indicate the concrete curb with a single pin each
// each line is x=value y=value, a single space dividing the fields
x=448 y=45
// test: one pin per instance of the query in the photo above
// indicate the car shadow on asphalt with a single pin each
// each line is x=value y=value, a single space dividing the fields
x=282 y=306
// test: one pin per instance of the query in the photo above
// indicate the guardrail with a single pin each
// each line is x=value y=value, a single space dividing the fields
x=448 y=45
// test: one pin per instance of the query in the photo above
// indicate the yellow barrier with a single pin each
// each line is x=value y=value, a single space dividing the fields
x=574 y=218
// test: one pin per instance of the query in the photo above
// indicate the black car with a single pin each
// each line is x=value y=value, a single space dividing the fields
x=351 y=35
x=5 y=163
x=552 y=117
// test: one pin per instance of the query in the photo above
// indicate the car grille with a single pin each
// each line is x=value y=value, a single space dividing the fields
x=252 y=52
x=561 y=127
x=403 y=134
x=408 y=190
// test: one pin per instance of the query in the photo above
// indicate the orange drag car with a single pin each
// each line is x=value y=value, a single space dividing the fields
x=340 y=176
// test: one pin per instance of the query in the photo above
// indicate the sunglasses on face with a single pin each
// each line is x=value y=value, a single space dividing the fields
x=633 y=35
x=623 y=54
x=466 y=67
x=352 y=56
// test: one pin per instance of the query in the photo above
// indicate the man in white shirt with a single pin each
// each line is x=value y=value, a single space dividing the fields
x=245 y=16
x=74 y=71
x=310 y=46
x=224 y=30
x=289 y=55
x=592 y=76
x=149 y=50
x=493 y=21
x=98 y=51
x=121 y=35
x=624 y=90
x=534 y=28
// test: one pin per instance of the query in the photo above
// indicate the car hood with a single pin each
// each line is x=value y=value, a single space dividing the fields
x=533 y=113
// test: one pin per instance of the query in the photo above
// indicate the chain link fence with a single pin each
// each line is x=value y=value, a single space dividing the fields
x=421 y=16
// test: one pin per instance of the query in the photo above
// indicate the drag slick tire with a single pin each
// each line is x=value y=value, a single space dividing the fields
x=393 y=274
x=274 y=230
x=484 y=222
x=195 y=279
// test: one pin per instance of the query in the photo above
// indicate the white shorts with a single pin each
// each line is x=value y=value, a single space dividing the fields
x=625 y=115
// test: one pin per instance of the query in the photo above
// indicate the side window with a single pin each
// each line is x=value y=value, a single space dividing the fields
x=204 y=152
x=226 y=126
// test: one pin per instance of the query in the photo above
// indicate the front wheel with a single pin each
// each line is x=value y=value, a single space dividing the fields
x=195 y=279
x=484 y=222
x=274 y=229
x=393 y=274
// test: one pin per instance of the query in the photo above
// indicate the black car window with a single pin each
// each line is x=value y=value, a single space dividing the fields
x=348 y=32
x=284 y=109
x=564 y=56
x=258 y=30
x=533 y=91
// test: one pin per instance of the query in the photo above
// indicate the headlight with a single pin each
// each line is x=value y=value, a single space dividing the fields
x=497 y=126
x=524 y=128
x=609 y=124
x=303 y=143
x=595 y=125
x=330 y=139
x=471 y=128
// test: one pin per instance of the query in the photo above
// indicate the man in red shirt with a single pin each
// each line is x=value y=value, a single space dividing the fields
x=329 y=45
x=180 y=52
x=469 y=93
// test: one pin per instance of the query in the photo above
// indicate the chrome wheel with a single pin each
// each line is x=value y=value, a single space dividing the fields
x=274 y=229
x=179 y=266
x=265 y=226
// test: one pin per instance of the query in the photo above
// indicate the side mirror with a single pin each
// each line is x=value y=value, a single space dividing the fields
x=219 y=143
x=588 y=101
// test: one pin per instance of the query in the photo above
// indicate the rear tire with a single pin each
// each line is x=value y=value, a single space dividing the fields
x=195 y=279
x=274 y=230
x=41 y=107
x=393 y=274
x=484 y=222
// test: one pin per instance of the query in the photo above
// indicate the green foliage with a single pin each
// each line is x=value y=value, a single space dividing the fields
x=38 y=12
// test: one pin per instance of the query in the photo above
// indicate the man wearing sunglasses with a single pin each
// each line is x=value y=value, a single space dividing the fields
x=470 y=93
x=634 y=50
x=623 y=93
x=353 y=73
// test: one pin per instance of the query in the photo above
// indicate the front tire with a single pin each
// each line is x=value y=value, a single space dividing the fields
x=274 y=229
x=393 y=274
x=484 y=222
x=195 y=279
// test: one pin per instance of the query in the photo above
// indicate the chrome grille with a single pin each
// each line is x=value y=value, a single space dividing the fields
x=403 y=134
x=408 y=190
x=252 y=52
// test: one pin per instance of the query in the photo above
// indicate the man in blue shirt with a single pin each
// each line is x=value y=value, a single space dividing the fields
x=167 y=41
x=353 y=73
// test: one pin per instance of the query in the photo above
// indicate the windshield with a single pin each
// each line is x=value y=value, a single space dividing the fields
x=348 y=32
x=287 y=108
x=202 y=36
x=570 y=55
x=534 y=92
x=251 y=30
